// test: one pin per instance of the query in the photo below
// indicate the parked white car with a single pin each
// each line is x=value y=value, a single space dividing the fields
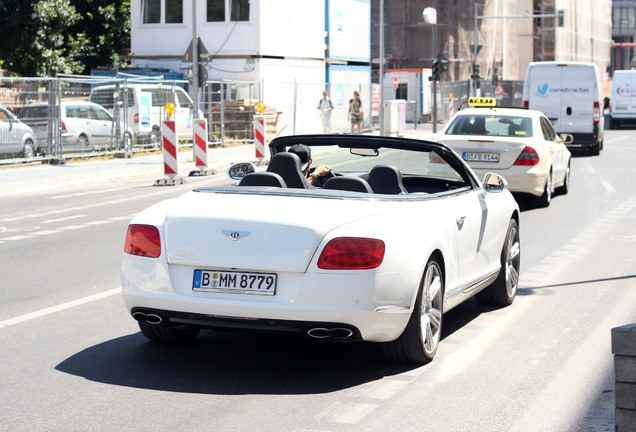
x=16 y=138
x=85 y=126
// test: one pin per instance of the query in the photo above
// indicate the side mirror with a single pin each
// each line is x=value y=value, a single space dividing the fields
x=567 y=138
x=494 y=183
x=240 y=170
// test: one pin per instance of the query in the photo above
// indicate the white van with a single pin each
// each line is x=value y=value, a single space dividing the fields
x=144 y=108
x=623 y=98
x=571 y=96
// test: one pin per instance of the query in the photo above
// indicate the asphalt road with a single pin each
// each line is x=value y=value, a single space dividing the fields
x=74 y=360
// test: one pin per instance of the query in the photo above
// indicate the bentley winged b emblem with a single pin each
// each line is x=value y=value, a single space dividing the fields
x=236 y=235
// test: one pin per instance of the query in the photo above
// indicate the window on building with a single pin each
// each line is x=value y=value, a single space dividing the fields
x=151 y=11
x=174 y=11
x=216 y=10
x=240 y=10
x=623 y=18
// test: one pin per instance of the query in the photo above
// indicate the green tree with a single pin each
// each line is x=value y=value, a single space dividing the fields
x=105 y=26
x=47 y=37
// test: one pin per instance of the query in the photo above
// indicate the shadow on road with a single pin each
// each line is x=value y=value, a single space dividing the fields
x=232 y=363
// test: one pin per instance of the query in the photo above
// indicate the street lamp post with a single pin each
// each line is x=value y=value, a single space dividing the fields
x=381 y=79
x=430 y=17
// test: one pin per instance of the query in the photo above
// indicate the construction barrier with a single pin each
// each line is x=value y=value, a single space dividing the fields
x=170 y=163
x=200 y=148
x=259 y=137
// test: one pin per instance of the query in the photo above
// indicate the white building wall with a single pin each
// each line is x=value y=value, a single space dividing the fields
x=587 y=33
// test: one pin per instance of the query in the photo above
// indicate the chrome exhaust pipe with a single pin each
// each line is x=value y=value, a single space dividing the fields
x=148 y=318
x=341 y=333
x=333 y=333
x=319 y=333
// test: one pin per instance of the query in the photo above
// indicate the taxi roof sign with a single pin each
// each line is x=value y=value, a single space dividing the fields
x=482 y=101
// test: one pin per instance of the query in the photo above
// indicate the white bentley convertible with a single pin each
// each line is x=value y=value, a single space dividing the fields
x=400 y=232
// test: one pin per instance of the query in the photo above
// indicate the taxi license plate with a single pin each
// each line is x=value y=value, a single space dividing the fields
x=234 y=282
x=481 y=157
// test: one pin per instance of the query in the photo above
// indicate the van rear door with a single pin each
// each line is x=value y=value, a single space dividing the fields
x=578 y=89
x=565 y=94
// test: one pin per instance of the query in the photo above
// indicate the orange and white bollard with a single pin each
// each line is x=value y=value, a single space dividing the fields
x=200 y=148
x=170 y=163
x=451 y=106
x=259 y=134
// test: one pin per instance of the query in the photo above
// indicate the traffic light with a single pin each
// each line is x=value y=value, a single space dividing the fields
x=475 y=74
x=443 y=65
x=435 y=72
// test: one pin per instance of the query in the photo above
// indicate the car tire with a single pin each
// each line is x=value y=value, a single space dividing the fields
x=595 y=150
x=546 y=197
x=503 y=290
x=565 y=187
x=419 y=341
x=168 y=334
x=29 y=149
x=82 y=141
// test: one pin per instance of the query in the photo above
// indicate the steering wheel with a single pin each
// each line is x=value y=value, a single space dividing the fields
x=321 y=180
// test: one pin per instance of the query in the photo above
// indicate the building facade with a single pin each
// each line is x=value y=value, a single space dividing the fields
x=284 y=47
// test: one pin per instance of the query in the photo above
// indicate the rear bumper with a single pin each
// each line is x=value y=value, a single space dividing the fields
x=365 y=302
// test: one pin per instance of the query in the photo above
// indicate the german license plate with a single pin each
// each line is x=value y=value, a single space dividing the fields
x=481 y=157
x=234 y=282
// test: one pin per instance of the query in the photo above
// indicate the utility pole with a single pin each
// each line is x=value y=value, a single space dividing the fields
x=195 y=63
x=381 y=79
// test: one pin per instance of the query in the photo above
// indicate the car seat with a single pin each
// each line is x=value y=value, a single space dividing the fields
x=386 y=179
x=287 y=165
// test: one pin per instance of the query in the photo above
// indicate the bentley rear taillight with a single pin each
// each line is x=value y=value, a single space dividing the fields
x=143 y=240
x=528 y=156
x=352 y=253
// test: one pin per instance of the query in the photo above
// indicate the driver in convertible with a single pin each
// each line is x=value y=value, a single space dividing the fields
x=304 y=153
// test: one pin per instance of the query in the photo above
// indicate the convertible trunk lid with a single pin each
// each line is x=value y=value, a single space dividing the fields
x=254 y=231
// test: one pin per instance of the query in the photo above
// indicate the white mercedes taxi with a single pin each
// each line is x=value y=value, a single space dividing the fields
x=517 y=143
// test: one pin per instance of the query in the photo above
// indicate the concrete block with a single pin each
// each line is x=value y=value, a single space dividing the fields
x=625 y=394
x=624 y=420
x=624 y=340
x=625 y=368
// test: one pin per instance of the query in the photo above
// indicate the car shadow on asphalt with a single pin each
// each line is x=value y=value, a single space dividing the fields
x=244 y=362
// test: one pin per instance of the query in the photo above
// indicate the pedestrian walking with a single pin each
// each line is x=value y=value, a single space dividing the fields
x=356 y=112
x=325 y=106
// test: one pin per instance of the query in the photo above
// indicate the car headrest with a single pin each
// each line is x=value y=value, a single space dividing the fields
x=386 y=179
x=287 y=165
x=354 y=184
x=263 y=179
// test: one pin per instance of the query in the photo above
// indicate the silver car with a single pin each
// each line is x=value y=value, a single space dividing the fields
x=85 y=126
x=16 y=138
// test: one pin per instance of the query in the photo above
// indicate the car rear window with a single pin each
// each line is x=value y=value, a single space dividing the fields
x=105 y=97
x=491 y=125
x=34 y=112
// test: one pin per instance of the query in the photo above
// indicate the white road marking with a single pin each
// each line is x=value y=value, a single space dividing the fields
x=383 y=389
x=58 y=308
x=46 y=232
x=346 y=412
x=63 y=219
x=74 y=227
